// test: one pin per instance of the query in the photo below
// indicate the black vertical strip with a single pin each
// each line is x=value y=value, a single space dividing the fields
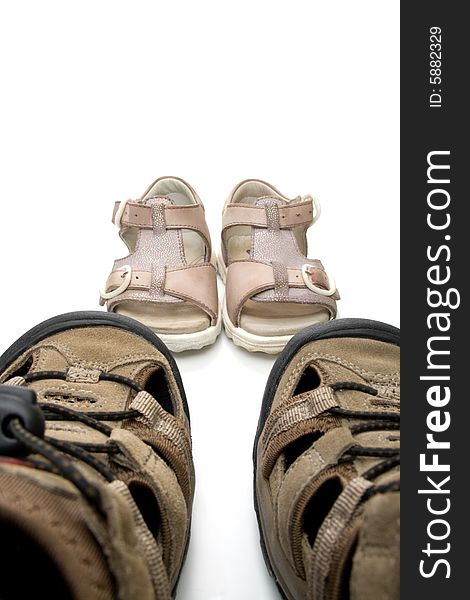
x=437 y=123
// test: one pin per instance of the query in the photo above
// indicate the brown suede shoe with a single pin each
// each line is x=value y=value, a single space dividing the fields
x=98 y=505
x=326 y=462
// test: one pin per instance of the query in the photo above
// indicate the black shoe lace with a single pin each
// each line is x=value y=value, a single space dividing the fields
x=58 y=453
x=371 y=421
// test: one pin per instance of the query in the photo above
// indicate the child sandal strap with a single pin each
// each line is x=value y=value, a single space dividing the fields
x=245 y=279
x=135 y=214
x=196 y=284
x=292 y=215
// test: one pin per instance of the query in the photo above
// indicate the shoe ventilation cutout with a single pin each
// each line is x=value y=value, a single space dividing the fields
x=309 y=380
x=147 y=504
x=320 y=505
x=157 y=386
x=299 y=446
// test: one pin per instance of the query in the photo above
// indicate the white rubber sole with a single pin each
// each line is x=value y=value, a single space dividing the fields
x=250 y=341
x=181 y=342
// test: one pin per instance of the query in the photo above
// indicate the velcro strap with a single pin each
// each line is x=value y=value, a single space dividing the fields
x=197 y=284
x=290 y=215
x=247 y=278
x=190 y=216
x=287 y=423
x=140 y=280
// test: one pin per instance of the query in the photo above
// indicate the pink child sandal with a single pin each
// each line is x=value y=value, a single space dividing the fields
x=168 y=281
x=272 y=289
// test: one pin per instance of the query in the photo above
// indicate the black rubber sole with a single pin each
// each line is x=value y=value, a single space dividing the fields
x=339 y=328
x=82 y=319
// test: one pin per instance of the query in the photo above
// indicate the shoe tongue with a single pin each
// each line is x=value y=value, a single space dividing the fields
x=270 y=201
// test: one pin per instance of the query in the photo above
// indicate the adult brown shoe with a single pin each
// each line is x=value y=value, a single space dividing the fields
x=96 y=473
x=327 y=463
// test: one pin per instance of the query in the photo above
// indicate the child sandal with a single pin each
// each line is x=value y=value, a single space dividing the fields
x=272 y=289
x=167 y=281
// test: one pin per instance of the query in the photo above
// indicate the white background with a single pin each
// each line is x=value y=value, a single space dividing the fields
x=98 y=98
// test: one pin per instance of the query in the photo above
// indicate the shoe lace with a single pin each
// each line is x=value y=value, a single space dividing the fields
x=59 y=453
x=370 y=421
